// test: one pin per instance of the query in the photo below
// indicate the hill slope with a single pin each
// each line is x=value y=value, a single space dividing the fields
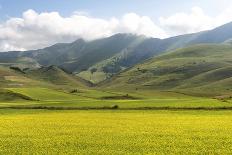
x=99 y=59
x=56 y=76
x=51 y=76
x=200 y=69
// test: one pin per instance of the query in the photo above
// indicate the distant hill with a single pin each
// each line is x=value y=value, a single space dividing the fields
x=55 y=75
x=196 y=70
x=51 y=76
x=100 y=59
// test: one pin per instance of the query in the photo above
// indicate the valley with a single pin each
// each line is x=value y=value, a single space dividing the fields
x=125 y=94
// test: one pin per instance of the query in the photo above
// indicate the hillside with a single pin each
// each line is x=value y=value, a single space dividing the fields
x=56 y=76
x=140 y=50
x=100 y=59
x=201 y=69
x=75 y=56
x=52 y=77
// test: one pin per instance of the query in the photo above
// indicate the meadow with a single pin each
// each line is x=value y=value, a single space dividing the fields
x=90 y=98
x=115 y=132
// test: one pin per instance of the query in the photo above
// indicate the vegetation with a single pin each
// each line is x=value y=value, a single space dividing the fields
x=112 y=96
x=109 y=55
x=203 y=70
x=115 y=132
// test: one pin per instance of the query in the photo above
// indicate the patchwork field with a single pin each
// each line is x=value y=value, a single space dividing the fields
x=115 y=132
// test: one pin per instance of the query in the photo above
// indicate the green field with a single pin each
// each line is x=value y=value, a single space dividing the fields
x=89 y=98
x=115 y=132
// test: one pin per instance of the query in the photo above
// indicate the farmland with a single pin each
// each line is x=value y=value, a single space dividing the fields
x=115 y=132
x=56 y=121
x=43 y=125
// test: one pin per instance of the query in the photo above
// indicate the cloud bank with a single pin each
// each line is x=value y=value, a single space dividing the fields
x=194 y=21
x=37 y=30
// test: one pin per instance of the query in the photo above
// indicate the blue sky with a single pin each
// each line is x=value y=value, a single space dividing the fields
x=108 y=8
x=32 y=24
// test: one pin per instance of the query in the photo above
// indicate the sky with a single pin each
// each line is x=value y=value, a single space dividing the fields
x=33 y=24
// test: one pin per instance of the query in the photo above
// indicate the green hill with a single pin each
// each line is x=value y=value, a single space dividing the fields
x=56 y=76
x=45 y=77
x=197 y=70
x=100 y=59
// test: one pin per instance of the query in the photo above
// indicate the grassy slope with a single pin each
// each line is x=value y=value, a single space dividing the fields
x=56 y=76
x=195 y=70
x=98 y=50
x=13 y=78
x=36 y=81
x=115 y=63
x=49 y=87
x=52 y=77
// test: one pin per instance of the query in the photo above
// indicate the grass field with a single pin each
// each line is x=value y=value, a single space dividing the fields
x=115 y=132
x=44 y=97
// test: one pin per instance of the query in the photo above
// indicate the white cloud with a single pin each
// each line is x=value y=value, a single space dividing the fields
x=141 y=25
x=36 y=30
x=194 y=21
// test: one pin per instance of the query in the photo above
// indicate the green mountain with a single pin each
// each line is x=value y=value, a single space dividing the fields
x=204 y=69
x=100 y=59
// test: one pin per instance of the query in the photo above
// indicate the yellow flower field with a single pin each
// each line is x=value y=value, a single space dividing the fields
x=115 y=132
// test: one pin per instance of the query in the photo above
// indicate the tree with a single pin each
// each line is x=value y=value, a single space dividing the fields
x=93 y=70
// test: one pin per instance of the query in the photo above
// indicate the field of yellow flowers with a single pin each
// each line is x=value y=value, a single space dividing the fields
x=115 y=132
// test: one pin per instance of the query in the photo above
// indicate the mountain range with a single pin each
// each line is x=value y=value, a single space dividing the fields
x=172 y=64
